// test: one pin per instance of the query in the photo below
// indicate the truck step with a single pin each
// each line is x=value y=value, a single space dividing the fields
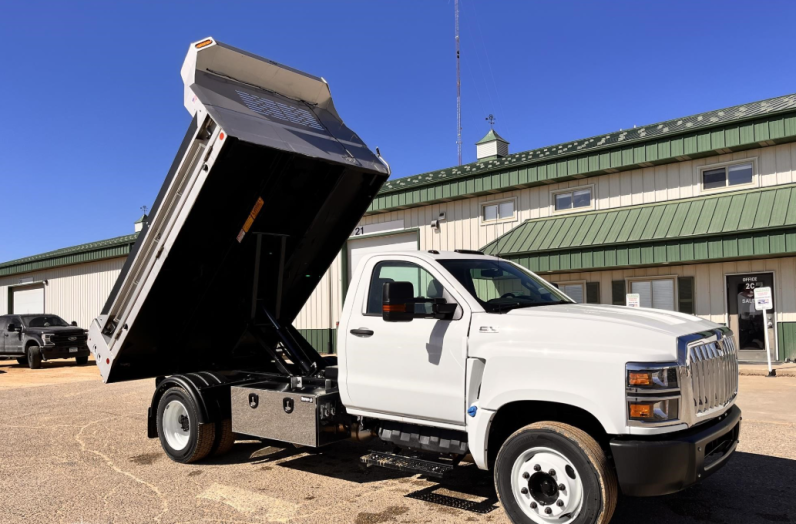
x=409 y=464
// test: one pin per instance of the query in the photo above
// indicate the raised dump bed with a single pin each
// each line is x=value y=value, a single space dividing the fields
x=266 y=187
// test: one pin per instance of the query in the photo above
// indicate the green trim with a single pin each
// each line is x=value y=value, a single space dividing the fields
x=786 y=336
x=492 y=136
x=92 y=252
x=737 y=128
x=750 y=211
x=323 y=340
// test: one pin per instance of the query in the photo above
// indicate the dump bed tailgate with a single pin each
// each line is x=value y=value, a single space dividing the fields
x=266 y=170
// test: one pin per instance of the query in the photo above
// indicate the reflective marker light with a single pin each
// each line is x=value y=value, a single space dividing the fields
x=204 y=43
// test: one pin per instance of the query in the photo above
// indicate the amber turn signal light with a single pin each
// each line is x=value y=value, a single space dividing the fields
x=204 y=43
x=394 y=308
x=640 y=410
x=640 y=378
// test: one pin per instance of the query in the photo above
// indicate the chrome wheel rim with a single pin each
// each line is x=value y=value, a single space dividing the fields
x=546 y=486
x=176 y=425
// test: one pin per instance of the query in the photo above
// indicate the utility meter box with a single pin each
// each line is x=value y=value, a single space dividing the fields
x=304 y=415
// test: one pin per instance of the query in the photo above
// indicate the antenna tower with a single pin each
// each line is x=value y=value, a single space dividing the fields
x=458 y=89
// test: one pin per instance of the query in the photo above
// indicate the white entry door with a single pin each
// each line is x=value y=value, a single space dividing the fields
x=359 y=247
x=28 y=300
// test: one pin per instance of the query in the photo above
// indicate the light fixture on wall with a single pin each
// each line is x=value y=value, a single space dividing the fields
x=435 y=223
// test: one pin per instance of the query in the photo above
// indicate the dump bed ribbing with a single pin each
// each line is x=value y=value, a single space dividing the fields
x=266 y=187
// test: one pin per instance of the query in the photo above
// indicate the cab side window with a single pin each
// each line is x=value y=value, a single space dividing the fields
x=425 y=285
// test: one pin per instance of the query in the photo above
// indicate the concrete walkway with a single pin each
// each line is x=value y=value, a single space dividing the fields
x=761 y=370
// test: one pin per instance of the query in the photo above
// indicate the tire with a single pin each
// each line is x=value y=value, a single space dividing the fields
x=22 y=361
x=183 y=439
x=34 y=357
x=81 y=360
x=224 y=440
x=528 y=489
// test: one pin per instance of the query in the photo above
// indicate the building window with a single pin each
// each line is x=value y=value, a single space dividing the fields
x=727 y=176
x=503 y=210
x=658 y=293
x=578 y=198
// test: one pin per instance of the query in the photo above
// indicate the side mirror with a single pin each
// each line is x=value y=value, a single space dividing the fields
x=444 y=310
x=398 y=303
x=11 y=328
x=74 y=323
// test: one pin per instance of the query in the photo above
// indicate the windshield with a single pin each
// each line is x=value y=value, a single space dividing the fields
x=40 y=321
x=503 y=286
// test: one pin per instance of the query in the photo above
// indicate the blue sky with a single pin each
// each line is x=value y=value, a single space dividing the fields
x=92 y=97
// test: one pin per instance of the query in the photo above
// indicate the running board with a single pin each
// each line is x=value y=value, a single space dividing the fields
x=406 y=464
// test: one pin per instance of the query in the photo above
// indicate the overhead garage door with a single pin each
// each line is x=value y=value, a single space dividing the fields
x=359 y=247
x=28 y=300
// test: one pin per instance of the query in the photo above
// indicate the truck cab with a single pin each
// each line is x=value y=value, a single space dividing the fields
x=654 y=390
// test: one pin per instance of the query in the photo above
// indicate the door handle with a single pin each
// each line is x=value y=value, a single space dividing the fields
x=362 y=332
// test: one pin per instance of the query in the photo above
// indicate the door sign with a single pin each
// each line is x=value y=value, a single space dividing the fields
x=763 y=298
x=633 y=300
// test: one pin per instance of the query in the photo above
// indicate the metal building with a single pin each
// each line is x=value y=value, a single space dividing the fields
x=691 y=214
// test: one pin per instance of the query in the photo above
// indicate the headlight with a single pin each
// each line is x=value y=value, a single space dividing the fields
x=47 y=339
x=652 y=394
x=654 y=378
x=650 y=410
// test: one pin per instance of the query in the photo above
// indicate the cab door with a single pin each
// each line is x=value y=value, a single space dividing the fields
x=411 y=369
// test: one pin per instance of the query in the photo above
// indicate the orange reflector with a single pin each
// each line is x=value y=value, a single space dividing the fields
x=640 y=410
x=640 y=379
x=221 y=136
x=394 y=308
x=204 y=43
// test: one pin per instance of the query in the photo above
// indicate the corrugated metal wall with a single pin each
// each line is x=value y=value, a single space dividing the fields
x=709 y=281
x=462 y=228
x=73 y=292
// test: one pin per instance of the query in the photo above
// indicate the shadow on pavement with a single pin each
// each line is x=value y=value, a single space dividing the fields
x=749 y=489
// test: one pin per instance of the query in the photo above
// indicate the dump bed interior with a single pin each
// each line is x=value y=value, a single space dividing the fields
x=287 y=184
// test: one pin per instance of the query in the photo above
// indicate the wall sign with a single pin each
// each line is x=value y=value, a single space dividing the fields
x=382 y=227
x=633 y=300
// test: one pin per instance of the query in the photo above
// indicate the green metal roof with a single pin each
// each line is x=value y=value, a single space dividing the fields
x=111 y=248
x=738 y=224
x=766 y=122
x=491 y=137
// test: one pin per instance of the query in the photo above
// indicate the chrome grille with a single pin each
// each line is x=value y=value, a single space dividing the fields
x=713 y=367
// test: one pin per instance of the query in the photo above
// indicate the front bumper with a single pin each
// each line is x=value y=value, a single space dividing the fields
x=669 y=463
x=56 y=352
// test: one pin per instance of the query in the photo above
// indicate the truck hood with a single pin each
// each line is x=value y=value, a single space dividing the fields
x=643 y=335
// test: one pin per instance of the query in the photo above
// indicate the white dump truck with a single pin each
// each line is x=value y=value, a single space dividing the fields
x=445 y=356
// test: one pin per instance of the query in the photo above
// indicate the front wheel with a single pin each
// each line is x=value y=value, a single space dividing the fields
x=181 y=436
x=34 y=357
x=81 y=360
x=550 y=472
x=22 y=361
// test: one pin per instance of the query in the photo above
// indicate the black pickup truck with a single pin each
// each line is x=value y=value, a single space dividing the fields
x=32 y=339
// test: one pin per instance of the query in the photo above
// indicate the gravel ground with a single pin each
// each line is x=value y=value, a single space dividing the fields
x=75 y=451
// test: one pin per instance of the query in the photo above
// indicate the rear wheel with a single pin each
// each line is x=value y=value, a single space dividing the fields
x=225 y=438
x=550 y=472
x=181 y=436
x=22 y=361
x=81 y=360
x=34 y=357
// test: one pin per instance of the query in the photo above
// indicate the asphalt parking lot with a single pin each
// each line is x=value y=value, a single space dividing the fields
x=75 y=451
